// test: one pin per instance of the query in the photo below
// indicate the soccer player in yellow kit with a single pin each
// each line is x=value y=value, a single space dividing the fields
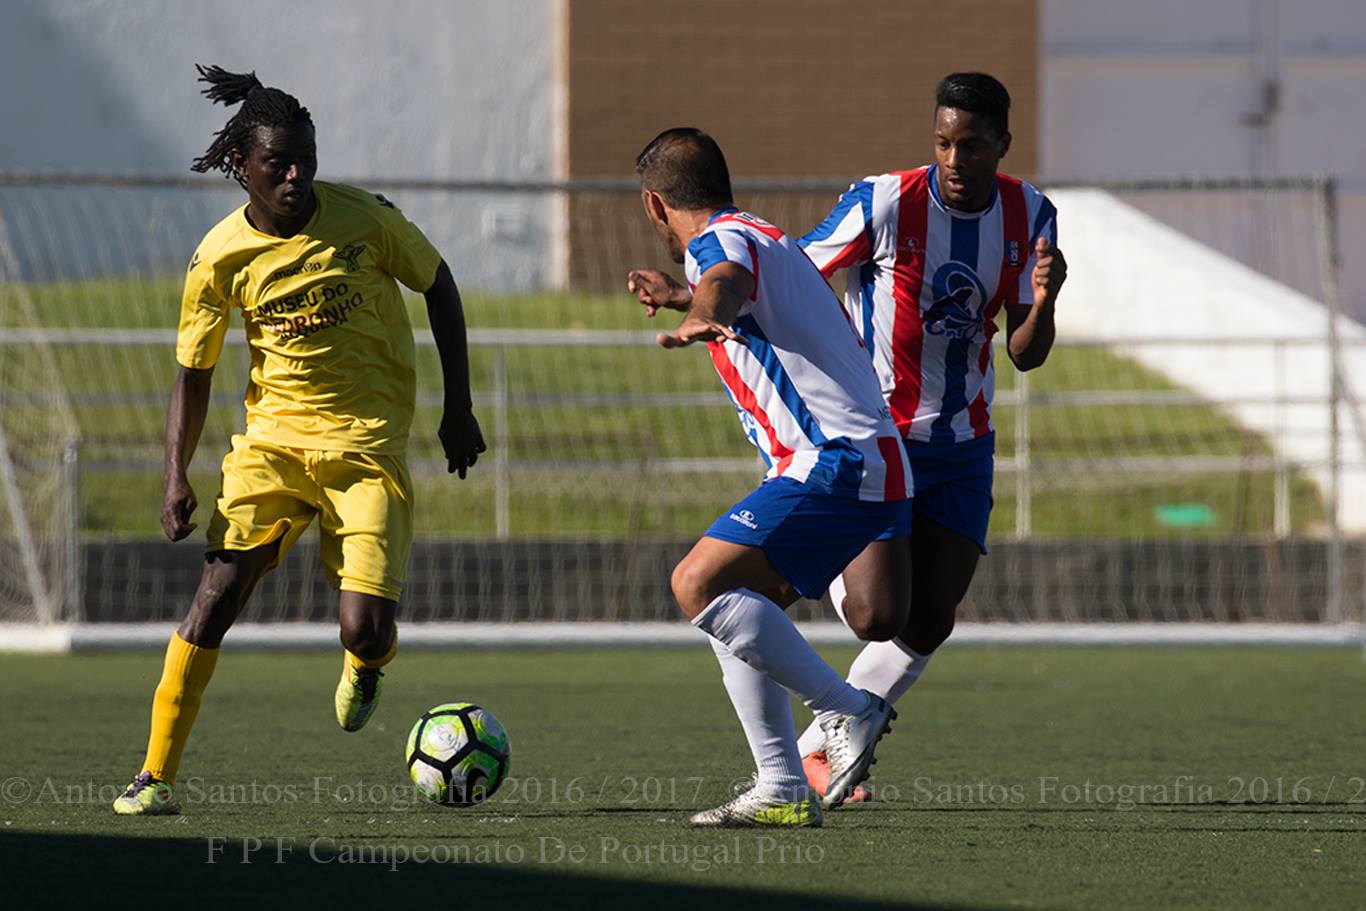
x=314 y=268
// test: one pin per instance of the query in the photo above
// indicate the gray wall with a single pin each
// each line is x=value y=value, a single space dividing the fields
x=454 y=89
x=1215 y=88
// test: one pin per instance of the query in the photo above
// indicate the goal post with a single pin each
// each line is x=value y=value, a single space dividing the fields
x=40 y=573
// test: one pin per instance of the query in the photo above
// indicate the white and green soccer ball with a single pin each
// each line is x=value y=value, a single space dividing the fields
x=457 y=754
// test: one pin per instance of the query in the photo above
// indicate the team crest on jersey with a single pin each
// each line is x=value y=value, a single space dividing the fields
x=1013 y=253
x=350 y=255
x=959 y=297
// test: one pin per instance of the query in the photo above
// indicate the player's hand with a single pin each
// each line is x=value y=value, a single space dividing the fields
x=698 y=329
x=461 y=440
x=657 y=291
x=1050 y=271
x=177 y=507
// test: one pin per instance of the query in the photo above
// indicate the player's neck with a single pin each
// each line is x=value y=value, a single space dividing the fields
x=691 y=223
x=263 y=220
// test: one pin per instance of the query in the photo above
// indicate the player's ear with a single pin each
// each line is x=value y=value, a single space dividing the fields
x=238 y=162
x=1005 y=144
x=654 y=206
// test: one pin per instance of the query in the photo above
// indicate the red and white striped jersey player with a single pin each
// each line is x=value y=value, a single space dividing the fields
x=932 y=257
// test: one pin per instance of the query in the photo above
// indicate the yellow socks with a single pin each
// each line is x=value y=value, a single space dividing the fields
x=358 y=662
x=176 y=703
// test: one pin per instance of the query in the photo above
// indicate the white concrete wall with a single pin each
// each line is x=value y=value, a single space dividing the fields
x=1155 y=283
x=1179 y=88
x=419 y=88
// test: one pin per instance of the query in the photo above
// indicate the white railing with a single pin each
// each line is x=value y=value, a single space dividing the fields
x=1023 y=465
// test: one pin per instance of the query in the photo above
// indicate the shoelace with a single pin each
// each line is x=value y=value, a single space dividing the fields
x=143 y=780
x=368 y=679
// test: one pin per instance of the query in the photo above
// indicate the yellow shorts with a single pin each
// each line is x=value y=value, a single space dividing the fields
x=363 y=501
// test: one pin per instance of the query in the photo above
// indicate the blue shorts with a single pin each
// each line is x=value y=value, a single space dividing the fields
x=953 y=485
x=808 y=535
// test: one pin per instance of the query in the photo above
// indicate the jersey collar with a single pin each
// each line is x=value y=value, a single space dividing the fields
x=728 y=210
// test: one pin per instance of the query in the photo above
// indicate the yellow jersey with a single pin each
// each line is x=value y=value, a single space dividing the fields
x=332 y=357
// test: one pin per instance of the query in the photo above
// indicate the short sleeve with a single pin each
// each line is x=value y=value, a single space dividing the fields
x=203 y=317
x=1045 y=224
x=405 y=252
x=719 y=246
x=845 y=237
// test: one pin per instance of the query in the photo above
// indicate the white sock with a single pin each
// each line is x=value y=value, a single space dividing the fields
x=886 y=668
x=837 y=593
x=765 y=712
x=757 y=632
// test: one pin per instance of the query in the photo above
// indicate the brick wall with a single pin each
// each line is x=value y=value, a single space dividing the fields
x=790 y=88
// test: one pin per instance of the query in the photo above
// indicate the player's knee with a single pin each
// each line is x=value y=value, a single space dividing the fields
x=221 y=592
x=873 y=619
x=692 y=587
x=366 y=639
x=874 y=616
x=215 y=606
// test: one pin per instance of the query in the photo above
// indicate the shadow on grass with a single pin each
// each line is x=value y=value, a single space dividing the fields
x=83 y=871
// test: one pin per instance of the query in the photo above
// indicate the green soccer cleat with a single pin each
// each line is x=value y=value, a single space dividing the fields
x=357 y=695
x=750 y=810
x=146 y=796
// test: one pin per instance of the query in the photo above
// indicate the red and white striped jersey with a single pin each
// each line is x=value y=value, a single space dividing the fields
x=925 y=284
x=806 y=395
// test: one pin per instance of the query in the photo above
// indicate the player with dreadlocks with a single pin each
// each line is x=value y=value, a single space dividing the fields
x=314 y=267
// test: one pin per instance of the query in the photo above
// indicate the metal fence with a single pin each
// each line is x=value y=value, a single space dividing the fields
x=1059 y=490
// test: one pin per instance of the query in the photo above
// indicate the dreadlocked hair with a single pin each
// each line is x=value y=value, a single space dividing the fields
x=261 y=107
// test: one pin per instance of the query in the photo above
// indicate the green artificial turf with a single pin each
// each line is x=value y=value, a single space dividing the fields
x=1027 y=778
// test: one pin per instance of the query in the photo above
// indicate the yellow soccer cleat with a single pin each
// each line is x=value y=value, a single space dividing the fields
x=750 y=810
x=357 y=695
x=146 y=796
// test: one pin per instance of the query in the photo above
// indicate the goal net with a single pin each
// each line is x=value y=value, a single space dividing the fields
x=1131 y=486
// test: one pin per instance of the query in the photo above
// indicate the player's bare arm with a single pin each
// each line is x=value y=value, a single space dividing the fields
x=1029 y=328
x=460 y=436
x=185 y=415
x=716 y=303
x=657 y=291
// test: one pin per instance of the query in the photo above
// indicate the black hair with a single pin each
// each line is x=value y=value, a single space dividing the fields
x=976 y=93
x=261 y=107
x=685 y=167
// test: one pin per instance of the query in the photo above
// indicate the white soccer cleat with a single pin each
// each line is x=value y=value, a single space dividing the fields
x=849 y=744
x=751 y=810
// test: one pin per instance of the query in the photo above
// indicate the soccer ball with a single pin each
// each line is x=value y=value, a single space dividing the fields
x=457 y=754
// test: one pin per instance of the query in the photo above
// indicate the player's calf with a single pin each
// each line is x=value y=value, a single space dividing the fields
x=924 y=634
